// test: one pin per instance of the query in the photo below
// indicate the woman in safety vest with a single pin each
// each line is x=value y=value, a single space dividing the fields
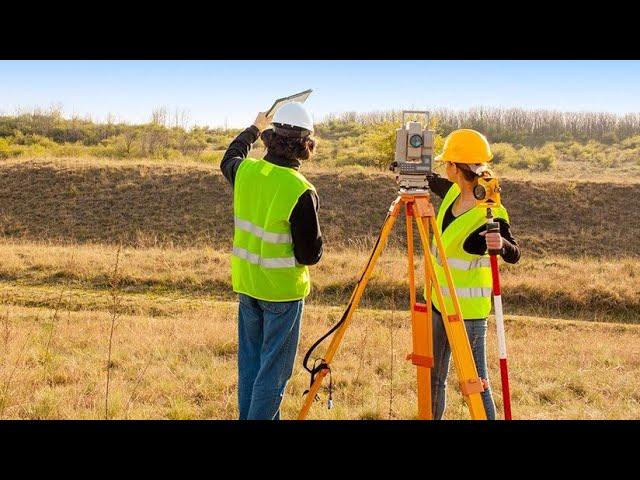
x=276 y=236
x=462 y=226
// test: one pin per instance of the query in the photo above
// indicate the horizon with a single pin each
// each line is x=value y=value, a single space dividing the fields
x=170 y=123
x=228 y=94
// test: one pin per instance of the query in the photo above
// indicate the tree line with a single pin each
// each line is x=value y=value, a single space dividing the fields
x=48 y=131
x=516 y=125
x=366 y=135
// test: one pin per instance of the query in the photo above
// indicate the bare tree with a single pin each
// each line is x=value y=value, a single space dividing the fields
x=128 y=137
x=181 y=118
x=159 y=116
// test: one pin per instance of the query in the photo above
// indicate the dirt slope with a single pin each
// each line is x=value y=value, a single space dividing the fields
x=151 y=203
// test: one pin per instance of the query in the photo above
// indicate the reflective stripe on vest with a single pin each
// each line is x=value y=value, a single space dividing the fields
x=270 y=237
x=468 y=292
x=283 y=262
x=460 y=264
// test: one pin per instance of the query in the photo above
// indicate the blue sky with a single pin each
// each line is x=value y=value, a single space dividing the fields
x=231 y=92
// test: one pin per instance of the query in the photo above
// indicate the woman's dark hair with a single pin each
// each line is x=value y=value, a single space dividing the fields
x=468 y=175
x=291 y=148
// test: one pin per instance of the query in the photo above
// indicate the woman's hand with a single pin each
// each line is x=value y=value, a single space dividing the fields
x=494 y=240
x=262 y=121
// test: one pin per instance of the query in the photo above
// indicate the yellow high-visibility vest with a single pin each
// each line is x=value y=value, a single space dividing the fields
x=471 y=273
x=263 y=265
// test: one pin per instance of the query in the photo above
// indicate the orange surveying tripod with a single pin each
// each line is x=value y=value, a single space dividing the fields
x=417 y=204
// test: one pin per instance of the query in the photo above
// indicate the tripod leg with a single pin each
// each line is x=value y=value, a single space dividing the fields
x=422 y=355
x=411 y=271
x=470 y=384
x=427 y=277
x=353 y=304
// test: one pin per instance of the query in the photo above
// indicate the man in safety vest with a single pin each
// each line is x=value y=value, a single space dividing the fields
x=276 y=236
x=462 y=226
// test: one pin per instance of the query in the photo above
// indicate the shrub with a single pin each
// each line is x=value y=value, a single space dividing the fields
x=520 y=163
x=8 y=149
x=610 y=138
x=631 y=142
x=503 y=153
x=210 y=157
x=543 y=161
x=382 y=139
x=71 y=150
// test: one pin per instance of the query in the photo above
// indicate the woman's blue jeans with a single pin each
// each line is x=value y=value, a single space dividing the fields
x=477 y=332
x=268 y=335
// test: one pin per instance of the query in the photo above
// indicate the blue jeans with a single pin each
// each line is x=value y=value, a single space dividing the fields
x=476 y=331
x=268 y=335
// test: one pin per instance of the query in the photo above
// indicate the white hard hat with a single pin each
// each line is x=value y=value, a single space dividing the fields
x=295 y=115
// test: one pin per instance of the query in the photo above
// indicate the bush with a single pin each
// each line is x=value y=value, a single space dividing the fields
x=503 y=153
x=631 y=143
x=520 y=163
x=575 y=150
x=71 y=150
x=214 y=157
x=382 y=139
x=30 y=140
x=610 y=138
x=8 y=149
x=543 y=161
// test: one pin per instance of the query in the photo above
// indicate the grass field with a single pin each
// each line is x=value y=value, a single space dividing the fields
x=183 y=365
x=174 y=340
x=560 y=286
x=173 y=312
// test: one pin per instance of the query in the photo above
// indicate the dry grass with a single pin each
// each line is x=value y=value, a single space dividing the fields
x=183 y=366
x=173 y=348
x=31 y=274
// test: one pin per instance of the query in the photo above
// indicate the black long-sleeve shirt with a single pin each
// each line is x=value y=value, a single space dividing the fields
x=305 y=227
x=475 y=243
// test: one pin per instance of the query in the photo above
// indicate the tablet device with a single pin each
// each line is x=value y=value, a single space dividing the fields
x=298 y=97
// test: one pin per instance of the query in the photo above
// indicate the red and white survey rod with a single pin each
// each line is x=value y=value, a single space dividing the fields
x=497 y=304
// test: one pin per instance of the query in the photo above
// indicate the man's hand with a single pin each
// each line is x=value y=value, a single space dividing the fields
x=494 y=240
x=262 y=121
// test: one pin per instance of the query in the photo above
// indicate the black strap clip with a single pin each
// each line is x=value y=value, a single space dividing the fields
x=314 y=371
